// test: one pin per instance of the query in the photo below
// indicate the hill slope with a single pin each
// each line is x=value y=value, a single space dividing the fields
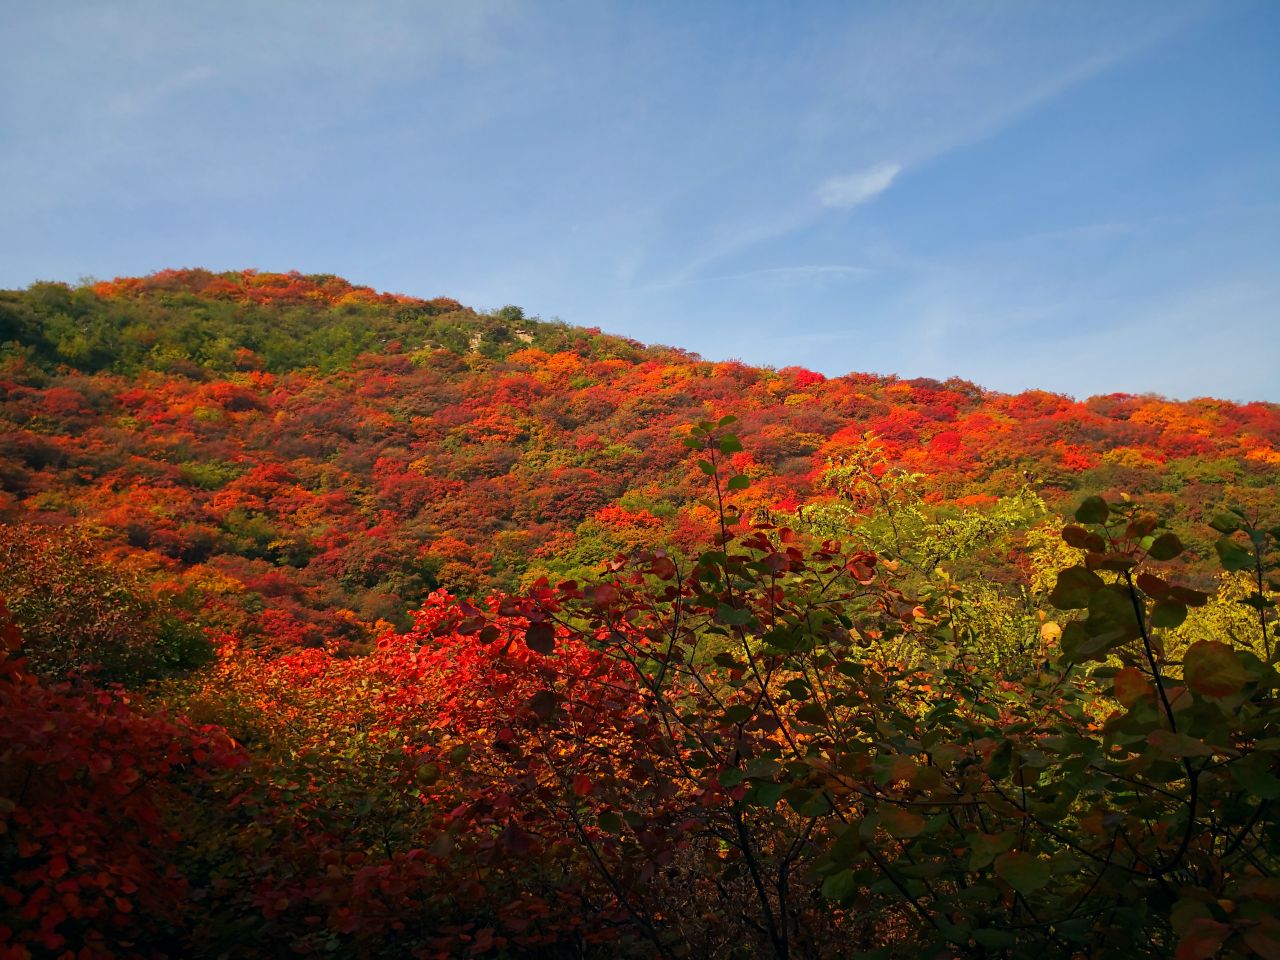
x=307 y=458
x=845 y=685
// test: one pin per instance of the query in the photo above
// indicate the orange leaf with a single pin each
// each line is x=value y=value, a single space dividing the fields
x=1131 y=686
x=1213 y=669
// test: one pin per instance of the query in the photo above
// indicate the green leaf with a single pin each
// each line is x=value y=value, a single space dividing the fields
x=731 y=777
x=1178 y=744
x=609 y=822
x=782 y=638
x=1168 y=614
x=1074 y=588
x=707 y=467
x=1165 y=547
x=813 y=805
x=1093 y=510
x=738 y=713
x=1001 y=758
x=768 y=794
x=734 y=616
x=1255 y=775
x=739 y=482
x=1232 y=556
x=459 y=753
x=811 y=713
x=1111 y=616
x=730 y=444
x=726 y=420
x=840 y=887
x=1258 y=602
x=797 y=687
x=1078 y=646
x=1225 y=523
x=1023 y=871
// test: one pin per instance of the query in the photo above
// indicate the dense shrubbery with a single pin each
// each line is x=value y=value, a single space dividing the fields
x=96 y=800
x=313 y=459
x=893 y=709
x=780 y=747
x=79 y=612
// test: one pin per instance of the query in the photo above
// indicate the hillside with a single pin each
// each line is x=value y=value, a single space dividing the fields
x=339 y=623
x=312 y=457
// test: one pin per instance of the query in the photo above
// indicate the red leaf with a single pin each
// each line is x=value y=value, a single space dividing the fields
x=1202 y=940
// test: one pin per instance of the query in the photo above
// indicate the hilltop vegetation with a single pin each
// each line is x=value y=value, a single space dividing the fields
x=310 y=459
x=338 y=623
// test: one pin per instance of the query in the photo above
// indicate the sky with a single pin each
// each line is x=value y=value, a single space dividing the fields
x=1074 y=196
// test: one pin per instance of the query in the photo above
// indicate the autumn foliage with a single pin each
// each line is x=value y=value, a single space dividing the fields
x=340 y=623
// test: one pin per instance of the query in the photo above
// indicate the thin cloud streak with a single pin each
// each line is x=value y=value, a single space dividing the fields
x=847 y=192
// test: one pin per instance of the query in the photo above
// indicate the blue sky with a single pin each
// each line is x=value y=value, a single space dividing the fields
x=1076 y=196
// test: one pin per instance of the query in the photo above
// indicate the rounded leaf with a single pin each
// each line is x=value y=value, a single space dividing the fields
x=1225 y=523
x=1083 y=539
x=1232 y=556
x=1202 y=939
x=1168 y=614
x=540 y=637
x=1178 y=744
x=1152 y=585
x=901 y=823
x=840 y=887
x=1093 y=510
x=1131 y=685
x=1141 y=525
x=1023 y=871
x=1074 y=588
x=730 y=444
x=543 y=704
x=1213 y=669
x=1165 y=547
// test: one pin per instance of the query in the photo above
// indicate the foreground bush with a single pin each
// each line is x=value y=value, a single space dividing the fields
x=780 y=748
x=93 y=797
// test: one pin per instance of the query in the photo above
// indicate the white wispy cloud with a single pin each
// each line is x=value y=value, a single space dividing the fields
x=848 y=191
